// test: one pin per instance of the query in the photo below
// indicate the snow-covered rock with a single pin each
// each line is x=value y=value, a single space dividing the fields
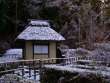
x=12 y=78
x=14 y=51
x=11 y=55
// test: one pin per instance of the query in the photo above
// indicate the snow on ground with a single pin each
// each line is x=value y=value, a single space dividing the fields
x=11 y=55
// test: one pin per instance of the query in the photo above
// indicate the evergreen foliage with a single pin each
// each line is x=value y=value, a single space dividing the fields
x=3 y=12
x=81 y=22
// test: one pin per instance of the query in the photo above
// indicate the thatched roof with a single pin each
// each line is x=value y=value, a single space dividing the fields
x=40 y=30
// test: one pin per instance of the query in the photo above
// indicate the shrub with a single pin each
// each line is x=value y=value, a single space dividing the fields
x=54 y=76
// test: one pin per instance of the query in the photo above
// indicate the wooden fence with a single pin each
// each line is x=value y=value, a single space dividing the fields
x=33 y=68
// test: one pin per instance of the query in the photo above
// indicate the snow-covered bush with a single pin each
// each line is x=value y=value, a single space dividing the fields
x=82 y=52
x=14 y=51
x=11 y=55
x=76 y=52
x=53 y=76
x=101 y=51
x=103 y=46
x=59 y=76
x=68 y=52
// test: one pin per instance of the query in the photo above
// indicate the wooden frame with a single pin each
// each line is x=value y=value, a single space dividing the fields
x=42 y=43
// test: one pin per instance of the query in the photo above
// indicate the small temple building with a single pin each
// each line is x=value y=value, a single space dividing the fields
x=40 y=40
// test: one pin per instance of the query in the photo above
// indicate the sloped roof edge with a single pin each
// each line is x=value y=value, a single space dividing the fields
x=40 y=30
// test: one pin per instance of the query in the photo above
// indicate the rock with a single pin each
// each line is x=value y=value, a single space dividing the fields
x=12 y=78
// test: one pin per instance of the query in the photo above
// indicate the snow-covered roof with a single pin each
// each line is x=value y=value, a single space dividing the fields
x=40 y=30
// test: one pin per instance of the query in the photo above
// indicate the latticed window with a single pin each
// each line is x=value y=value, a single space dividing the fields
x=41 y=49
